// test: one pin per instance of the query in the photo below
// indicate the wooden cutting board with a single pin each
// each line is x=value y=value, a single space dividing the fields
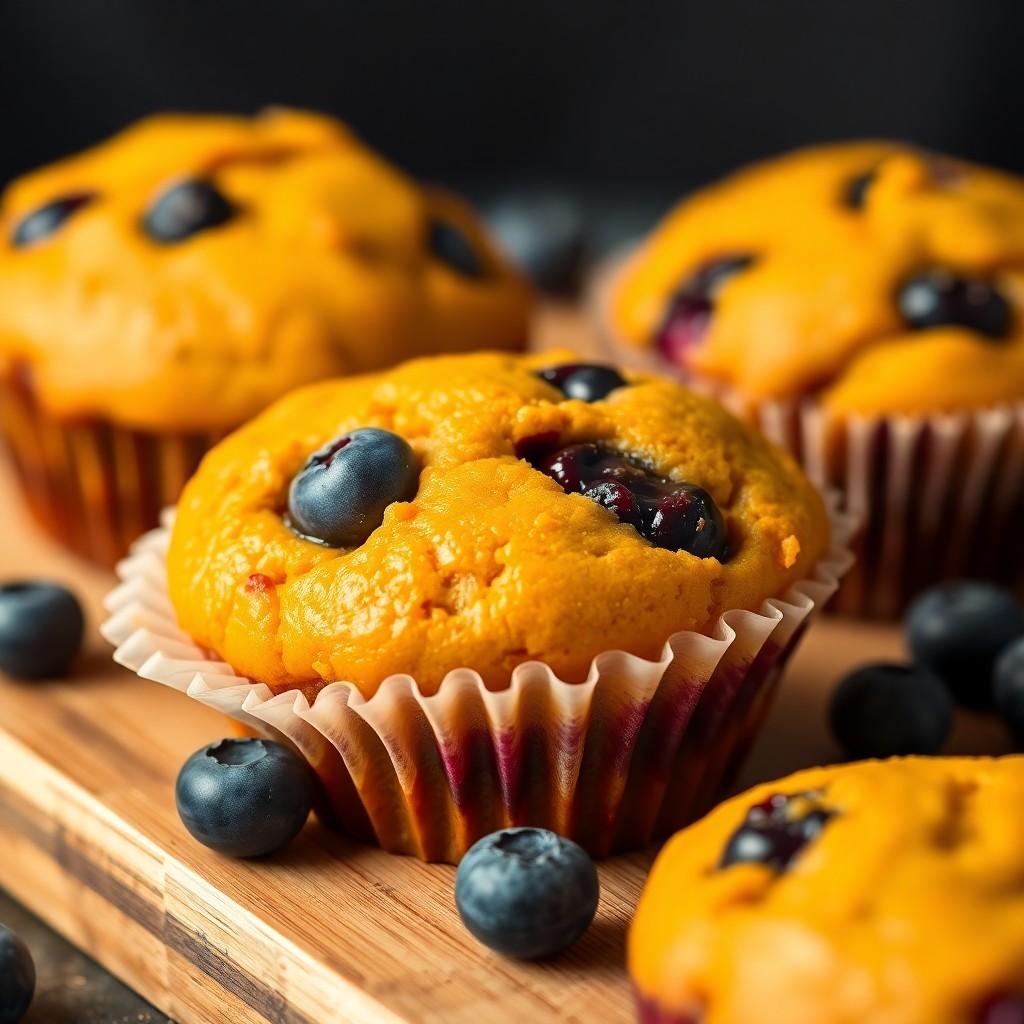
x=329 y=930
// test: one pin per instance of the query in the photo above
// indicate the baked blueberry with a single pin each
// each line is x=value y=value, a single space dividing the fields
x=939 y=298
x=244 y=798
x=186 y=208
x=41 y=629
x=339 y=496
x=45 y=220
x=776 y=830
x=690 y=308
x=526 y=892
x=586 y=382
x=889 y=711
x=17 y=977
x=856 y=193
x=957 y=630
x=450 y=246
x=1008 y=689
x=1002 y=1009
x=668 y=514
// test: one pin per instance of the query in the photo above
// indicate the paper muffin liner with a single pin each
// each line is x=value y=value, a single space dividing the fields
x=936 y=497
x=92 y=485
x=635 y=751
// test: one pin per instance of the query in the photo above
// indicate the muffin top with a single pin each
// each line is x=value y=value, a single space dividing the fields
x=452 y=489
x=882 y=891
x=194 y=268
x=879 y=277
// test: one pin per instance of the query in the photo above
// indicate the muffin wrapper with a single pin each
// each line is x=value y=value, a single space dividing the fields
x=633 y=752
x=92 y=485
x=936 y=496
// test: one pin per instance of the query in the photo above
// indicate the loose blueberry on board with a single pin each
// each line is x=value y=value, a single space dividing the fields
x=857 y=188
x=691 y=307
x=676 y=516
x=17 y=977
x=890 y=711
x=185 y=209
x=244 y=797
x=45 y=220
x=41 y=629
x=449 y=245
x=526 y=892
x=1008 y=690
x=586 y=382
x=938 y=298
x=339 y=496
x=957 y=630
x=776 y=830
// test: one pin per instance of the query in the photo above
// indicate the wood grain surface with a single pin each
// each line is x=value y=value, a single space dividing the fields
x=329 y=930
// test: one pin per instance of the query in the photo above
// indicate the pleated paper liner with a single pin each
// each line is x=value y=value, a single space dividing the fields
x=937 y=496
x=90 y=484
x=635 y=751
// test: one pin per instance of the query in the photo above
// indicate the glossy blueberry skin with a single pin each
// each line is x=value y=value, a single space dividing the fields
x=45 y=220
x=1008 y=690
x=770 y=836
x=450 y=246
x=41 y=629
x=938 y=298
x=244 y=797
x=957 y=630
x=890 y=711
x=526 y=892
x=585 y=382
x=17 y=977
x=339 y=496
x=186 y=208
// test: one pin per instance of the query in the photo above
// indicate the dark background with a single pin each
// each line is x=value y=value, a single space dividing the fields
x=641 y=97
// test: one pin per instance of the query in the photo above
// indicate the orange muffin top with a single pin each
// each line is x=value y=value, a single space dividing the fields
x=880 y=277
x=882 y=891
x=193 y=268
x=462 y=534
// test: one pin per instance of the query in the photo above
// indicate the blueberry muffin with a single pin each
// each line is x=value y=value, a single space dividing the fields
x=160 y=289
x=843 y=895
x=473 y=532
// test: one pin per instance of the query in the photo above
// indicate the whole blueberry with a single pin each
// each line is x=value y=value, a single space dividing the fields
x=586 y=382
x=45 y=220
x=41 y=629
x=17 y=977
x=244 y=798
x=957 y=630
x=339 y=496
x=939 y=298
x=186 y=208
x=890 y=711
x=450 y=245
x=1008 y=689
x=526 y=892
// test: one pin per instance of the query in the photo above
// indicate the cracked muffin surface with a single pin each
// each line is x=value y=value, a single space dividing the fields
x=490 y=563
x=899 y=898
x=877 y=276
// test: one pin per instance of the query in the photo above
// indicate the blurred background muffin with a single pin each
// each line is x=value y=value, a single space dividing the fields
x=158 y=290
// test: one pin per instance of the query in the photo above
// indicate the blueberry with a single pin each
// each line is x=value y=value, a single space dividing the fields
x=776 y=830
x=45 y=220
x=1008 y=689
x=957 y=630
x=41 y=629
x=339 y=496
x=1001 y=1009
x=890 y=711
x=691 y=306
x=526 y=892
x=857 y=188
x=586 y=382
x=17 y=977
x=671 y=515
x=244 y=798
x=449 y=245
x=186 y=208
x=939 y=298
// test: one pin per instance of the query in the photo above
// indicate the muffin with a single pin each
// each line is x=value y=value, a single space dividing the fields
x=881 y=891
x=863 y=303
x=487 y=590
x=162 y=288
